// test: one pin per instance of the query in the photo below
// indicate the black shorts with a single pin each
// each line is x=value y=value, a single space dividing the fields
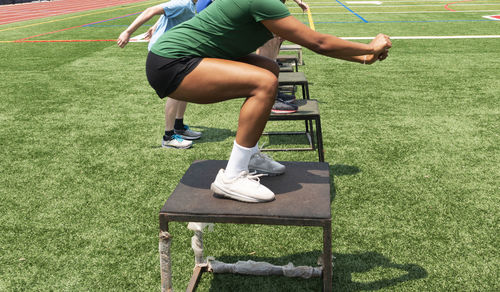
x=165 y=74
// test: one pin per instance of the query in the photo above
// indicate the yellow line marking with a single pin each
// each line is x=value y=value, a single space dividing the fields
x=310 y=18
x=71 y=17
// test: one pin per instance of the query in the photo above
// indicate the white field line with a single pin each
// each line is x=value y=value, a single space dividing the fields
x=418 y=5
x=429 y=37
x=364 y=2
x=395 y=6
x=421 y=1
x=443 y=2
x=404 y=12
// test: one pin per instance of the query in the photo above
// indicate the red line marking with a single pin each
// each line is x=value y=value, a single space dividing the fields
x=447 y=8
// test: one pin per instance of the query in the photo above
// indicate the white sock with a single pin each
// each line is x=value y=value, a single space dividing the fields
x=238 y=161
x=255 y=149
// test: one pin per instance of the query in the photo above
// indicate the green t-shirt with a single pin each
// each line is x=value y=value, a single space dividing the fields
x=227 y=29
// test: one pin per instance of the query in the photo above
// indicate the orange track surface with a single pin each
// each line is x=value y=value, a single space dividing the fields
x=34 y=10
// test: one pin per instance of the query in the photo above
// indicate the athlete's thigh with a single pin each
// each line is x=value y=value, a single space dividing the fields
x=261 y=61
x=215 y=80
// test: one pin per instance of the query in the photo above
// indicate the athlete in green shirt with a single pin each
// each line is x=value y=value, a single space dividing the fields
x=209 y=59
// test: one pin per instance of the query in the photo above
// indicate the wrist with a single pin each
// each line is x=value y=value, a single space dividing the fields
x=371 y=49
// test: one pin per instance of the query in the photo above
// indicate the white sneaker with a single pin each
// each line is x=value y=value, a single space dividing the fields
x=261 y=163
x=188 y=134
x=245 y=187
x=176 y=142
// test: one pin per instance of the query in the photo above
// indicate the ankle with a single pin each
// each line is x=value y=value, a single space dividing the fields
x=168 y=135
x=179 y=124
x=238 y=161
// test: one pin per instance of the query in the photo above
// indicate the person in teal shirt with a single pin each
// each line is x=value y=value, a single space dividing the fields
x=210 y=58
x=177 y=134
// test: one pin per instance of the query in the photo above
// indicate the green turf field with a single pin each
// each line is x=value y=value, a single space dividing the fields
x=413 y=144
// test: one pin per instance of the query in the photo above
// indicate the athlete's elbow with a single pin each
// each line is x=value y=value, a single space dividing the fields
x=154 y=10
x=319 y=46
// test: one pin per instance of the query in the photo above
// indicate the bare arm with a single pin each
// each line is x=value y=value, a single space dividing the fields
x=151 y=30
x=302 y=5
x=140 y=20
x=295 y=31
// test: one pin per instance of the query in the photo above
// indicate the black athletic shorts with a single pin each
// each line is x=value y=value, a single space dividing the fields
x=165 y=74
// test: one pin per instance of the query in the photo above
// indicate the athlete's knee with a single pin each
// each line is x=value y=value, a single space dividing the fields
x=268 y=87
x=270 y=81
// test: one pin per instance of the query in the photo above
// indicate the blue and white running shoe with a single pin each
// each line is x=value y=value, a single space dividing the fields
x=176 y=141
x=187 y=133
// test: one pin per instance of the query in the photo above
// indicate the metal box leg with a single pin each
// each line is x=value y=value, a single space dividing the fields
x=165 y=261
x=327 y=257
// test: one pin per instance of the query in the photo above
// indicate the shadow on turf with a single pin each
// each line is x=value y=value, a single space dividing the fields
x=348 y=264
x=342 y=169
x=345 y=265
x=209 y=135
x=213 y=134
